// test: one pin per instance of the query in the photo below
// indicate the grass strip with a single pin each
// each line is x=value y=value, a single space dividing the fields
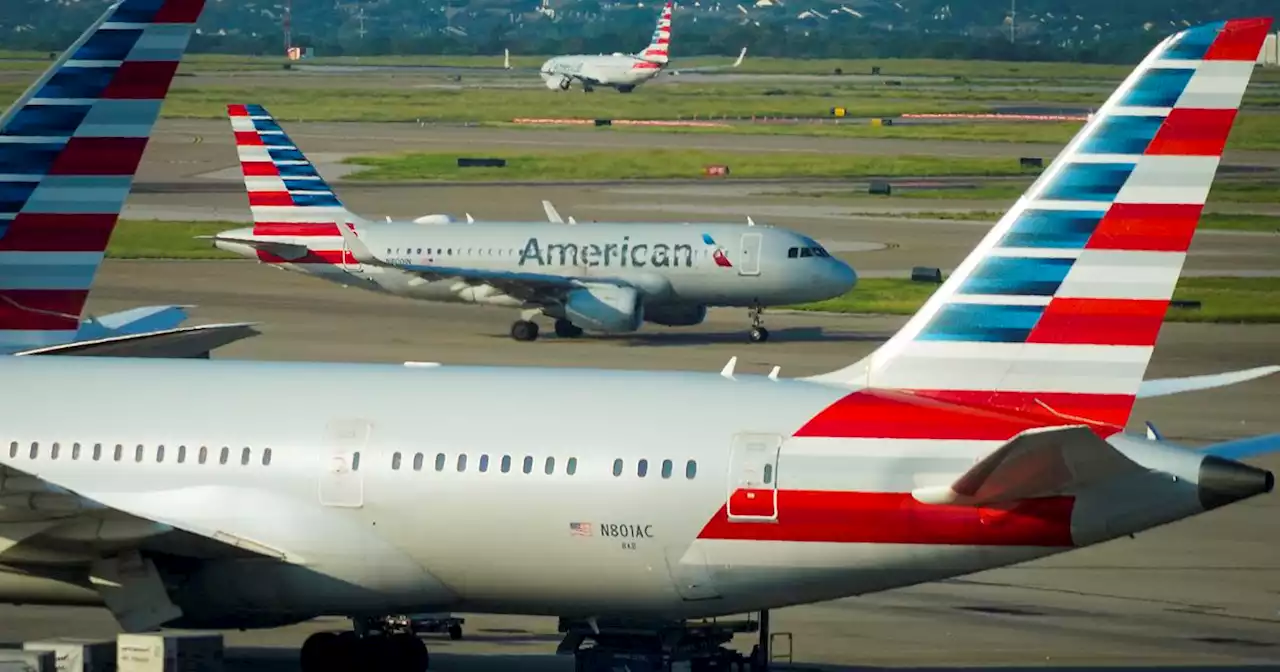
x=156 y=239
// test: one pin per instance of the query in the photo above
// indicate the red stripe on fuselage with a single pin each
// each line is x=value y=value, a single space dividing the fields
x=1239 y=40
x=1141 y=227
x=962 y=415
x=897 y=518
x=1100 y=322
x=30 y=232
x=37 y=309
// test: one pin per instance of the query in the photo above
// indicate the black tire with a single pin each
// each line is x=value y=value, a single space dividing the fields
x=455 y=632
x=759 y=335
x=319 y=652
x=406 y=653
x=567 y=329
x=524 y=330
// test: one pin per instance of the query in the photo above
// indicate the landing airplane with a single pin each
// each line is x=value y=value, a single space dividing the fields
x=988 y=431
x=69 y=150
x=602 y=277
x=623 y=72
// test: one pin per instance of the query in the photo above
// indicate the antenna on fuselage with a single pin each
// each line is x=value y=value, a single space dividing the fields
x=750 y=222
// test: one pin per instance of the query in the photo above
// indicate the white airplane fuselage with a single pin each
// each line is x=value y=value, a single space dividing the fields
x=392 y=489
x=612 y=70
x=672 y=264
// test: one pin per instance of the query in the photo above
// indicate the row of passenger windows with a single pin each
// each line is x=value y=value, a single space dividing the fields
x=642 y=468
x=179 y=455
x=482 y=464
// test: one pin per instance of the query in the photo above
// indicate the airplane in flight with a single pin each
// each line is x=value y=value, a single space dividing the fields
x=69 y=150
x=623 y=72
x=989 y=431
x=603 y=277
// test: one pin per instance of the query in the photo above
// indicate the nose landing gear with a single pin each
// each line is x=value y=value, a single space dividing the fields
x=374 y=650
x=758 y=333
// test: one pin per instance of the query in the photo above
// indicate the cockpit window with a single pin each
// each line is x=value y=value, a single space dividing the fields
x=815 y=251
x=793 y=253
x=806 y=252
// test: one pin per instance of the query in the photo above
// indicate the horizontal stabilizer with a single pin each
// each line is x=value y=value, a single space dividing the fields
x=1164 y=386
x=1040 y=462
x=286 y=251
x=1240 y=449
x=183 y=342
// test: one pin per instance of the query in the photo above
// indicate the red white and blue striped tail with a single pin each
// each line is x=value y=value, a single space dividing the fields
x=287 y=195
x=1059 y=307
x=659 y=49
x=69 y=150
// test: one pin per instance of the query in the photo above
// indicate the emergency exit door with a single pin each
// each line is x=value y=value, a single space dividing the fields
x=341 y=482
x=753 y=477
x=749 y=257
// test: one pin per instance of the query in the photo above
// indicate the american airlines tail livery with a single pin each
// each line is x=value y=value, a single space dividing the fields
x=623 y=72
x=602 y=277
x=69 y=150
x=989 y=431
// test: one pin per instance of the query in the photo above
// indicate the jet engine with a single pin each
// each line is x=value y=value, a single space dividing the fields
x=605 y=308
x=558 y=83
x=683 y=315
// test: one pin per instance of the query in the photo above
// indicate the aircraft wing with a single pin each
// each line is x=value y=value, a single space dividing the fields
x=1160 y=387
x=1040 y=462
x=182 y=342
x=711 y=68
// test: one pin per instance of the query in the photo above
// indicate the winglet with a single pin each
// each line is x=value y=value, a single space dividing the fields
x=773 y=375
x=727 y=371
x=1152 y=433
x=470 y=219
x=552 y=214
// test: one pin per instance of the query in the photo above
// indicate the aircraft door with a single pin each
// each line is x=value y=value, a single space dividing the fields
x=341 y=483
x=753 y=478
x=749 y=259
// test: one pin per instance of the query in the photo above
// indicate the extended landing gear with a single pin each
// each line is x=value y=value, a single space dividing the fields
x=587 y=88
x=342 y=652
x=567 y=329
x=524 y=330
x=626 y=88
x=664 y=647
x=758 y=333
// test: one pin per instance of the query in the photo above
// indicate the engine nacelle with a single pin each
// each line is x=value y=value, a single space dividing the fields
x=668 y=315
x=605 y=308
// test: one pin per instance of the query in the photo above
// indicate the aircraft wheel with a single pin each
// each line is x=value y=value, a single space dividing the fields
x=406 y=653
x=759 y=334
x=524 y=330
x=320 y=651
x=455 y=632
x=567 y=329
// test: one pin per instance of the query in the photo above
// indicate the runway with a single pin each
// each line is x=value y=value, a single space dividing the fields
x=1203 y=592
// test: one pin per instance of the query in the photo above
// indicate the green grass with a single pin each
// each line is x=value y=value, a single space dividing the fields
x=668 y=163
x=1209 y=221
x=1256 y=192
x=147 y=239
x=1233 y=300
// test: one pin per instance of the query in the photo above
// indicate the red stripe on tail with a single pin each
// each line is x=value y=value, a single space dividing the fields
x=30 y=309
x=1100 y=322
x=1239 y=40
x=300 y=229
x=58 y=233
x=100 y=156
x=1190 y=132
x=141 y=80
x=1141 y=227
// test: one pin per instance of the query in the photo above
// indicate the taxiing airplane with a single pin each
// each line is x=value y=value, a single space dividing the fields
x=69 y=150
x=623 y=72
x=988 y=431
x=601 y=277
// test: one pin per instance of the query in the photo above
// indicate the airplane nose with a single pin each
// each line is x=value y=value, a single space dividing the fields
x=842 y=277
x=1223 y=482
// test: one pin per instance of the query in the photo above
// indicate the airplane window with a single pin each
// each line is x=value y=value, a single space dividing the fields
x=53 y=452
x=821 y=252
x=528 y=464
x=97 y=452
x=35 y=449
x=222 y=458
x=75 y=451
x=355 y=461
x=806 y=252
x=617 y=467
x=572 y=467
x=690 y=469
x=417 y=462
x=266 y=457
x=666 y=468
x=793 y=253
x=550 y=467
x=13 y=449
x=182 y=454
x=395 y=462
x=506 y=463
x=159 y=453
x=451 y=251
x=439 y=461
x=768 y=473
x=484 y=463
x=244 y=456
x=419 y=250
x=137 y=452
x=204 y=454
x=119 y=452
x=462 y=462
x=642 y=468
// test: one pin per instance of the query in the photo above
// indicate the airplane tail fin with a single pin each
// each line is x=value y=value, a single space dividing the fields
x=1058 y=309
x=69 y=150
x=659 y=47
x=287 y=195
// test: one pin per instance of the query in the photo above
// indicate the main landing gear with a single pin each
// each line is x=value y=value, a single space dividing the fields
x=567 y=329
x=527 y=330
x=758 y=333
x=369 y=647
x=664 y=647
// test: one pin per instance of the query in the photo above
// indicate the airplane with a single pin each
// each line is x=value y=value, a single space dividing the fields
x=84 y=124
x=603 y=277
x=623 y=72
x=987 y=432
